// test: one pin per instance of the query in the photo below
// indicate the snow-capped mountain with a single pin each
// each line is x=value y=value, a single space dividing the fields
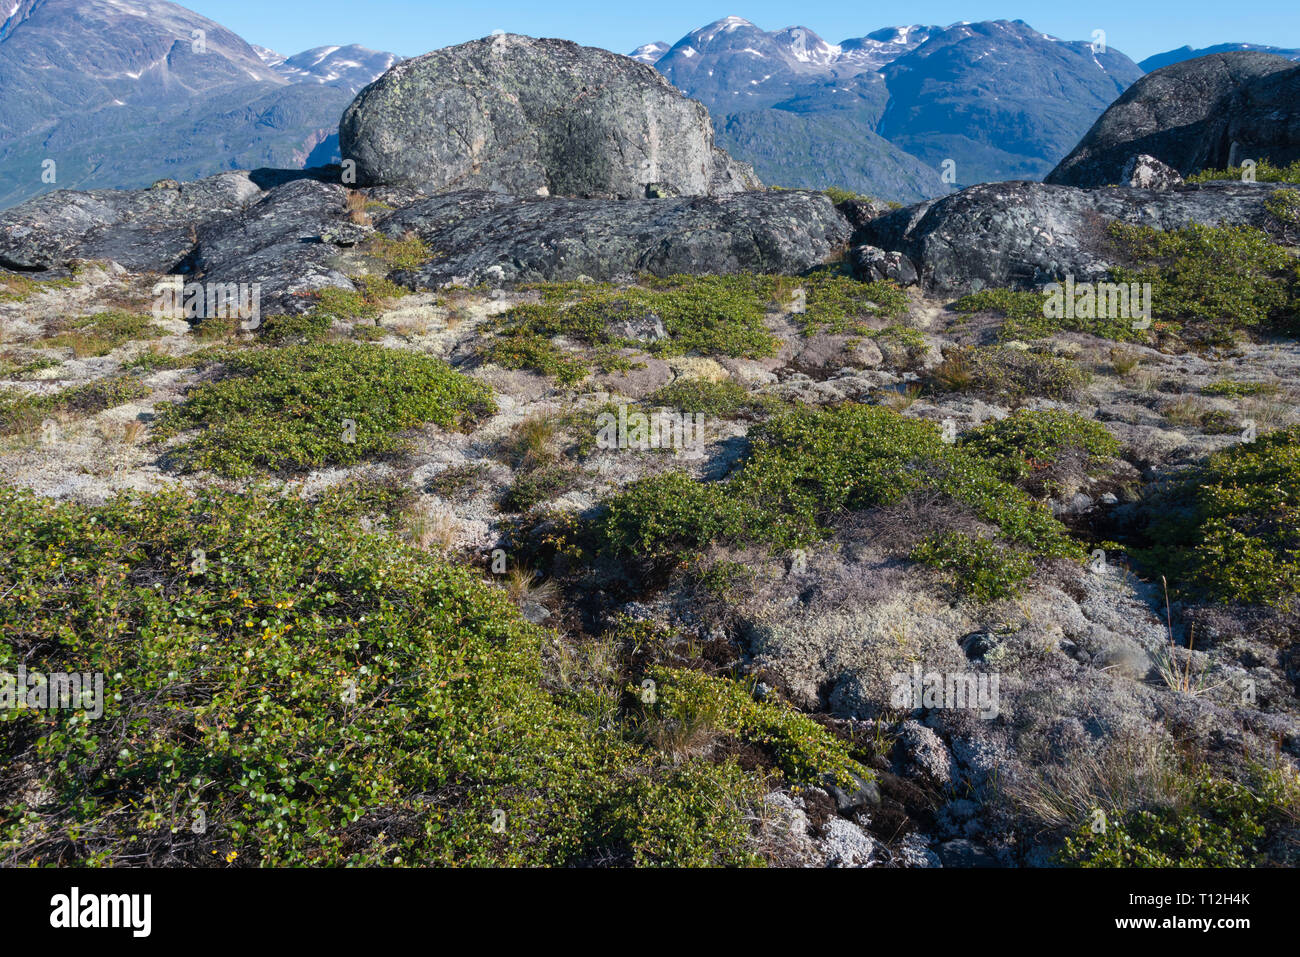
x=649 y=52
x=347 y=67
x=125 y=92
x=999 y=98
x=1155 y=62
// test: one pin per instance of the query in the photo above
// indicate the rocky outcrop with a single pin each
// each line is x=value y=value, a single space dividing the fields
x=282 y=243
x=482 y=237
x=534 y=118
x=1208 y=113
x=1028 y=234
x=148 y=229
x=290 y=233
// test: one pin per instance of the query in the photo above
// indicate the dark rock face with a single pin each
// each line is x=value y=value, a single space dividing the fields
x=1028 y=234
x=280 y=243
x=534 y=117
x=1208 y=113
x=293 y=237
x=479 y=236
x=150 y=229
x=225 y=229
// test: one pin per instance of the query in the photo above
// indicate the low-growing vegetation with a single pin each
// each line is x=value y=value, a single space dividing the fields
x=99 y=334
x=321 y=695
x=679 y=315
x=1009 y=372
x=300 y=407
x=1026 y=316
x=15 y=287
x=1209 y=822
x=723 y=400
x=25 y=412
x=405 y=253
x=1231 y=531
x=1265 y=172
x=1028 y=447
x=1209 y=282
x=363 y=304
x=805 y=468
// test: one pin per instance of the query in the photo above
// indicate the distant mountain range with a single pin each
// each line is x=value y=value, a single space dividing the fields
x=349 y=68
x=886 y=112
x=121 y=93
x=1153 y=63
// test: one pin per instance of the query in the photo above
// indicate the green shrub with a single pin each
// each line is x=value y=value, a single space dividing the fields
x=363 y=304
x=1008 y=372
x=1026 y=316
x=287 y=409
x=1012 y=303
x=980 y=566
x=720 y=399
x=408 y=252
x=459 y=482
x=301 y=328
x=1265 y=172
x=540 y=484
x=324 y=696
x=1219 y=823
x=15 y=287
x=153 y=360
x=1027 y=442
x=804 y=469
x=1234 y=389
x=1285 y=205
x=1231 y=532
x=838 y=195
x=522 y=350
x=100 y=334
x=25 y=370
x=1220 y=278
x=680 y=315
x=803 y=751
x=23 y=411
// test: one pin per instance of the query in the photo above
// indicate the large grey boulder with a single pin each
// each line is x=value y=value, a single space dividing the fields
x=1208 y=113
x=483 y=237
x=535 y=118
x=1025 y=235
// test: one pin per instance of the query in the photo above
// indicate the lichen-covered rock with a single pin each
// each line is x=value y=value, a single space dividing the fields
x=1208 y=113
x=847 y=845
x=871 y=264
x=924 y=753
x=484 y=237
x=1027 y=234
x=1146 y=172
x=535 y=118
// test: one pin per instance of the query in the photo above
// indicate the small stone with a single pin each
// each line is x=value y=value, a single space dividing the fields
x=1146 y=172
x=847 y=845
x=861 y=794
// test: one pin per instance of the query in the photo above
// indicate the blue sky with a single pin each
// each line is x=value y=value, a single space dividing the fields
x=409 y=27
